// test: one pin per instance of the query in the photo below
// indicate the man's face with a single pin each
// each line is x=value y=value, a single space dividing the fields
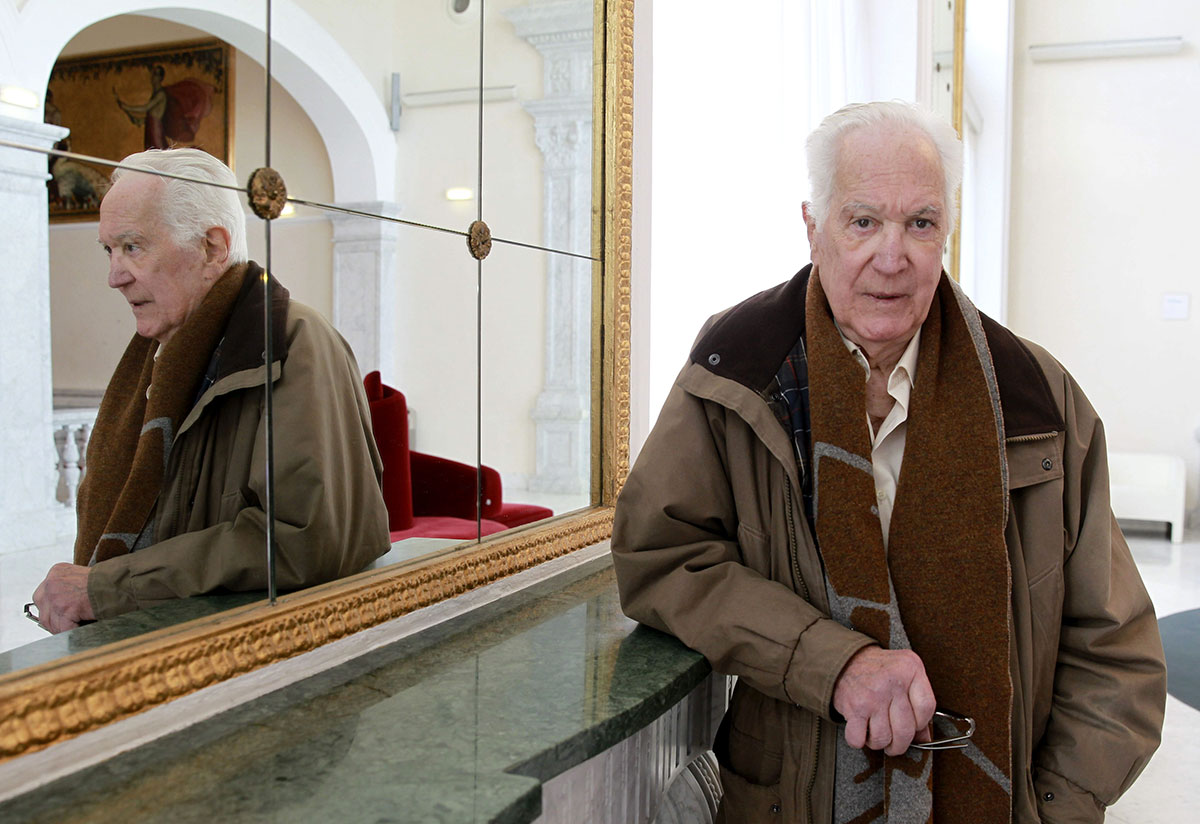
x=162 y=281
x=879 y=248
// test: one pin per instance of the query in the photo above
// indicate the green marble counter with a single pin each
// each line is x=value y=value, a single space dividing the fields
x=461 y=723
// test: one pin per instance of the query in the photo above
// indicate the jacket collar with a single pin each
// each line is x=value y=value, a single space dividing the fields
x=237 y=362
x=748 y=342
x=242 y=347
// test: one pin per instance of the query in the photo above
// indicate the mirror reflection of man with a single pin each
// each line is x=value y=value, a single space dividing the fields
x=172 y=502
x=870 y=503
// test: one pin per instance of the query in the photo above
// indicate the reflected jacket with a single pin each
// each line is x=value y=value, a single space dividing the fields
x=710 y=544
x=209 y=523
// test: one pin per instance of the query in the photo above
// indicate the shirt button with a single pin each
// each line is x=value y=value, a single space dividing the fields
x=714 y=359
x=1047 y=464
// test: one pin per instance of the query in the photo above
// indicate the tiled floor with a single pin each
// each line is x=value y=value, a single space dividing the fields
x=1166 y=793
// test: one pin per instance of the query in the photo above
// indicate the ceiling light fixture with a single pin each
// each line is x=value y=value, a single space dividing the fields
x=17 y=96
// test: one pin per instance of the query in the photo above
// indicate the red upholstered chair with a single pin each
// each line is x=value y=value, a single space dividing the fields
x=433 y=497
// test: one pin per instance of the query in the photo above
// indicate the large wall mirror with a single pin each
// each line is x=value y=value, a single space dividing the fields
x=395 y=128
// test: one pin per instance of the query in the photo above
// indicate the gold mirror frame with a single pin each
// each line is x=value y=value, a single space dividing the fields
x=960 y=25
x=53 y=702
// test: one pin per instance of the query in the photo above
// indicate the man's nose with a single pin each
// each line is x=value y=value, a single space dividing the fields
x=118 y=275
x=890 y=253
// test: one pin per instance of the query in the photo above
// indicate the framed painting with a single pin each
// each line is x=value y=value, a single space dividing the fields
x=118 y=103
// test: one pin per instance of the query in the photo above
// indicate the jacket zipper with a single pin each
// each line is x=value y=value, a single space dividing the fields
x=791 y=524
x=793 y=555
x=1041 y=436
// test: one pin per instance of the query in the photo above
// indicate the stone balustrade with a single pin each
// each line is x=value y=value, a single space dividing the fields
x=72 y=429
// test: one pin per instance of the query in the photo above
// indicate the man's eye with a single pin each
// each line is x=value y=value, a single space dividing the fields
x=863 y=222
x=923 y=223
x=130 y=248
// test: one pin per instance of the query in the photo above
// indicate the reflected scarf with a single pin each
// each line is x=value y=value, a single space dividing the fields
x=143 y=406
x=942 y=586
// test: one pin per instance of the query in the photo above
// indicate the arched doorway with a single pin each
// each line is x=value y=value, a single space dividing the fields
x=306 y=61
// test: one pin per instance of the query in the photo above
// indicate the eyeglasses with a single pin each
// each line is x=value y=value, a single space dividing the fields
x=958 y=740
x=31 y=613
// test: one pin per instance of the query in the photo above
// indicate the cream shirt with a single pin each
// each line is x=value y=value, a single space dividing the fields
x=887 y=445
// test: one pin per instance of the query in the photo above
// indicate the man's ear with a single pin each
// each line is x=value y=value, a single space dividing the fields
x=216 y=248
x=810 y=223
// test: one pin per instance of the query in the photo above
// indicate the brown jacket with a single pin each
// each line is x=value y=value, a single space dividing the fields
x=711 y=544
x=210 y=525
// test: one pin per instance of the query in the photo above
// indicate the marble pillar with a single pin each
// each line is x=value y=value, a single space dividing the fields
x=28 y=474
x=364 y=285
x=561 y=31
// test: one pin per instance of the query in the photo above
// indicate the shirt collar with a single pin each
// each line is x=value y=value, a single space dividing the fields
x=904 y=373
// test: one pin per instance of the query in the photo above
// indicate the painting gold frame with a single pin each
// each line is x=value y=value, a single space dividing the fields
x=84 y=87
x=44 y=705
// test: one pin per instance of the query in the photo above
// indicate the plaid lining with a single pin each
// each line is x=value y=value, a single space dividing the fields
x=791 y=408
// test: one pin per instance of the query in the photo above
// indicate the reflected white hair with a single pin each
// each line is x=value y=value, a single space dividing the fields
x=190 y=209
x=824 y=143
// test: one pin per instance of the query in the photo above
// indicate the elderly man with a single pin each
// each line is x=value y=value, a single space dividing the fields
x=172 y=503
x=870 y=502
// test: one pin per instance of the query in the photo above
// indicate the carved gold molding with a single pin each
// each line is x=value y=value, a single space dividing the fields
x=618 y=184
x=44 y=705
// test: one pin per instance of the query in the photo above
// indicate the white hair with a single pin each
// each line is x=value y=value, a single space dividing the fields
x=190 y=209
x=824 y=143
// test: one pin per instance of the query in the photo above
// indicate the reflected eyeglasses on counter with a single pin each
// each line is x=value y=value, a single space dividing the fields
x=958 y=740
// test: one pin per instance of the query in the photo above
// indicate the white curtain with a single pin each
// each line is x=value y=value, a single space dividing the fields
x=734 y=96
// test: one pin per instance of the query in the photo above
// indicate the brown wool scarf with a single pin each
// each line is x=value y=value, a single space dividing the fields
x=942 y=586
x=130 y=446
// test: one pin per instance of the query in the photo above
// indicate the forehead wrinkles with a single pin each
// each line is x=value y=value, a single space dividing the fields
x=888 y=168
x=134 y=210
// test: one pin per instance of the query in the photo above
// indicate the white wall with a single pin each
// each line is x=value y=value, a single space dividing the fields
x=437 y=148
x=439 y=322
x=1103 y=191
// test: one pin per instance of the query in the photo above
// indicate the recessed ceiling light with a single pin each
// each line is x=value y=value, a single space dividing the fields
x=17 y=96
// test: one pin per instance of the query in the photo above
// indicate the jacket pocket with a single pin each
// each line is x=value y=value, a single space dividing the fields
x=1046 y=593
x=745 y=803
x=755 y=546
x=1061 y=802
x=231 y=504
x=749 y=749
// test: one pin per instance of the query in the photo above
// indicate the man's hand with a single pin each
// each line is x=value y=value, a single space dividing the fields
x=886 y=699
x=62 y=598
